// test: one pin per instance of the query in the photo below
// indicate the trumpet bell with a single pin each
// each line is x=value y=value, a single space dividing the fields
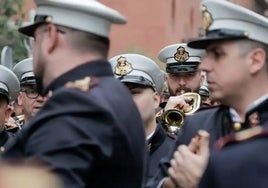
x=174 y=118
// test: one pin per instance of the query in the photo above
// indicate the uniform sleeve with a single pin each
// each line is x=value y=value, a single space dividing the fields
x=164 y=164
x=184 y=135
x=71 y=141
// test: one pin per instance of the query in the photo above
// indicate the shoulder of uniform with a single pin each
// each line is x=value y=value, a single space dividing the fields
x=84 y=84
x=241 y=136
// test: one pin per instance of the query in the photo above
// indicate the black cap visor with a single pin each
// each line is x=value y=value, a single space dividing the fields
x=137 y=80
x=38 y=20
x=217 y=35
x=28 y=81
x=177 y=68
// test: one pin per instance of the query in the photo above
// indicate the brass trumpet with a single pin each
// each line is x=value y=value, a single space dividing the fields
x=174 y=118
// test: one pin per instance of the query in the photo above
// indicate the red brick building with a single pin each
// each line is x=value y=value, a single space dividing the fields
x=153 y=24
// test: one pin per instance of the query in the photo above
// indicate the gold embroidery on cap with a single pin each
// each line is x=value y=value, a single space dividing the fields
x=181 y=55
x=206 y=18
x=123 y=66
x=83 y=84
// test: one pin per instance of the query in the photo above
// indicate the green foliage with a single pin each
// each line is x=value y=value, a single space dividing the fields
x=11 y=17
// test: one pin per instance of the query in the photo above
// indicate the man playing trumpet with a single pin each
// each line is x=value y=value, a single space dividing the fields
x=183 y=76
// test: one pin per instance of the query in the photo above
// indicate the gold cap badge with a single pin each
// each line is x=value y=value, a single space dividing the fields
x=206 y=18
x=123 y=66
x=181 y=55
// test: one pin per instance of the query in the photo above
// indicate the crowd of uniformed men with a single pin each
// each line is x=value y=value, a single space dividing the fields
x=90 y=121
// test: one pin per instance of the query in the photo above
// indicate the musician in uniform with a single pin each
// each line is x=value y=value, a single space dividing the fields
x=183 y=75
x=236 y=69
x=9 y=90
x=29 y=99
x=89 y=132
x=144 y=79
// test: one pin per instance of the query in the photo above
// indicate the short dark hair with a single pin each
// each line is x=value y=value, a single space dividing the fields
x=2 y=96
x=85 y=41
x=248 y=45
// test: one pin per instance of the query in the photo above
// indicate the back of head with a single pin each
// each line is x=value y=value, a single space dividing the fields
x=88 y=22
x=84 y=15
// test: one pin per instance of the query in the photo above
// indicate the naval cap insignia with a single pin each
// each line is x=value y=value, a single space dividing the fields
x=181 y=55
x=206 y=18
x=123 y=66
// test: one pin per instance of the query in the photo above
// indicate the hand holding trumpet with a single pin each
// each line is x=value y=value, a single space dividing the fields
x=177 y=108
x=181 y=102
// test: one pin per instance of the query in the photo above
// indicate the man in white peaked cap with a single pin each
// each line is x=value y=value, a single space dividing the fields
x=9 y=90
x=237 y=75
x=89 y=132
x=29 y=99
x=183 y=76
x=144 y=79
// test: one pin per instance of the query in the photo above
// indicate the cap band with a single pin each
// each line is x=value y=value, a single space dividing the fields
x=190 y=60
x=28 y=80
x=137 y=79
x=226 y=33
x=177 y=68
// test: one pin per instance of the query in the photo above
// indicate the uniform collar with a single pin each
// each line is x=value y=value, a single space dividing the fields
x=95 y=68
x=255 y=115
x=257 y=104
x=156 y=139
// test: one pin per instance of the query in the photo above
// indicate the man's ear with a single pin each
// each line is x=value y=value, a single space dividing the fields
x=20 y=99
x=8 y=113
x=202 y=79
x=258 y=60
x=156 y=98
x=53 y=37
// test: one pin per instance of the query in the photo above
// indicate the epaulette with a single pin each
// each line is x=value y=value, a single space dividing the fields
x=247 y=134
x=83 y=84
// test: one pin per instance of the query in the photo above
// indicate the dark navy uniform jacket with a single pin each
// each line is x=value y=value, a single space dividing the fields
x=4 y=137
x=215 y=120
x=158 y=146
x=242 y=161
x=90 y=134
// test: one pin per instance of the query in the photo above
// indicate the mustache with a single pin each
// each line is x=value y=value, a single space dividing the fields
x=183 y=90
